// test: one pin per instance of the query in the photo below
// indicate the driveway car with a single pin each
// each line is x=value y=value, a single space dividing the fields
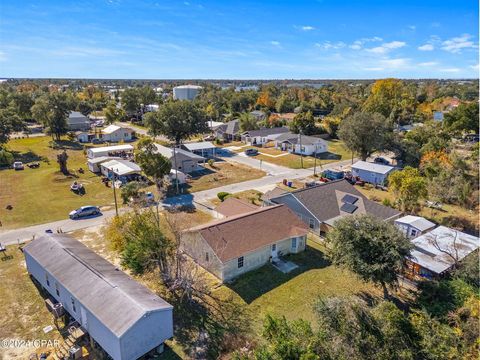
x=84 y=211
x=251 y=152
x=381 y=160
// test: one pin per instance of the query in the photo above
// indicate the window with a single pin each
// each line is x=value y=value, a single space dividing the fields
x=294 y=243
x=240 y=262
x=57 y=290
x=311 y=223
x=47 y=279
x=73 y=305
x=206 y=257
x=274 y=247
x=413 y=232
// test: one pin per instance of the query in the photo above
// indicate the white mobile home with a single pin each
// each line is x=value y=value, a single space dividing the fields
x=372 y=173
x=116 y=150
x=122 y=316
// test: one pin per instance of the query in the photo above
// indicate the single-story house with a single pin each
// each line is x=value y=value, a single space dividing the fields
x=94 y=164
x=263 y=135
x=122 y=316
x=182 y=160
x=115 y=133
x=76 y=121
x=176 y=175
x=202 y=148
x=237 y=244
x=229 y=131
x=305 y=145
x=115 y=150
x=372 y=173
x=233 y=206
x=258 y=115
x=122 y=170
x=84 y=136
x=437 y=251
x=321 y=205
x=413 y=226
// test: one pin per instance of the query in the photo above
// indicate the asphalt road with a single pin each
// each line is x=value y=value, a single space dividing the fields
x=275 y=175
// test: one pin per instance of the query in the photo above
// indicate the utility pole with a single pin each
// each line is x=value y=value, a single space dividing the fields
x=301 y=153
x=114 y=193
x=176 y=167
x=315 y=162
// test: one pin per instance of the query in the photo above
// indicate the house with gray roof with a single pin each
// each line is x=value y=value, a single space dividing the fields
x=122 y=316
x=320 y=206
x=301 y=144
x=413 y=226
x=372 y=173
x=229 y=131
x=76 y=121
x=182 y=160
x=263 y=135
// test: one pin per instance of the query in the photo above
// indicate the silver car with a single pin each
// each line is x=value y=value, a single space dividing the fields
x=84 y=211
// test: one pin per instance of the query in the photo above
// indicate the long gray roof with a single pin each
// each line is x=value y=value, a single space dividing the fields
x=76 y=117
x=295 y=139
x=267 y=131
x=324 y=201
x=108 y=293
x=233 y=127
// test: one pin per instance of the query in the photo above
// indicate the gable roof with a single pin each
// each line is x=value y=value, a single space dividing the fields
x=238 y=235
x=115 y=299
x=325 y=201
x=233 y=127
x=121 y=167
x=427 y=255
x=75 y=117
x=276 y=191
x=233 y=206
x=418 y=222
x=112 y=128
x=266 y=131
x=372 y=167
x=295 y=139
x=168 y=152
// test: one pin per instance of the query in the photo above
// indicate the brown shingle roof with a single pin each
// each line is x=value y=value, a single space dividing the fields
x=276 y=191
x=238 y=235
x=233 y=206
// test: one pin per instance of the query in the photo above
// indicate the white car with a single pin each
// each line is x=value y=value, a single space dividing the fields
x=84 y=211
x=18 y=165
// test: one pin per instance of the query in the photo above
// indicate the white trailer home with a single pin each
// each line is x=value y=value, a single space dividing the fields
x=122 y=316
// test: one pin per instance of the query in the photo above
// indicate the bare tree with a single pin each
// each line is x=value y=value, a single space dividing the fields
x=448 y=248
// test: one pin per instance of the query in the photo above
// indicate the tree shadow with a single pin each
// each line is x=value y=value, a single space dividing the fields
x=328 y=156
x=256 y=283
x=211 y=326
x=66 y=145
x=461 y=223
x=28 y=157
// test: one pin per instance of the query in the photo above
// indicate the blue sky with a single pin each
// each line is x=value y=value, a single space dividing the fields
x=239 y=39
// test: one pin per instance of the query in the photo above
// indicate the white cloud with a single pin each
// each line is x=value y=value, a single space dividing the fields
x=475 y=67
x=275 y=43
x=456 y=44
x=358 y=44
x=412 y=27
x=308 y=28
x=395 y=63
x=326 y=45
x=386 y=47
x=426 y=47
x=374 y=69
x=3 y=56
x=450 y=70
x=428 y=63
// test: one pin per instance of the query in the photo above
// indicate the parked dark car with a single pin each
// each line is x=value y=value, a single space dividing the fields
x=381 y=160
x=84 y=211
x=97 y=141
x=251 y=152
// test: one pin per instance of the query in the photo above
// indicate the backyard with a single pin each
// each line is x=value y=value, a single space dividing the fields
x=43 y=194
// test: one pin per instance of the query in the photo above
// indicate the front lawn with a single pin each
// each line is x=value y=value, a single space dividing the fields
x=222 y=173
x=43 y=194
x=251 y=196
x=336 y=152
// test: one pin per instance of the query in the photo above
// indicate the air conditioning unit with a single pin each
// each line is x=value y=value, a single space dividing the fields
x=58 y=310
x=75 y=353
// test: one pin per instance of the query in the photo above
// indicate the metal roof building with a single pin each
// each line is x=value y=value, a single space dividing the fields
x=124 y=317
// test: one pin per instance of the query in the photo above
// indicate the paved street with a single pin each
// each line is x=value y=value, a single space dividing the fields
x=275 y=175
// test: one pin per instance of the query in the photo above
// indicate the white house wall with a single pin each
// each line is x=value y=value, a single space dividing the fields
x=100 y=333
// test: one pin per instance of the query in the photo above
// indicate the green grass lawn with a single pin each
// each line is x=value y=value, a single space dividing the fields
x=43 y=194
x=336 y=152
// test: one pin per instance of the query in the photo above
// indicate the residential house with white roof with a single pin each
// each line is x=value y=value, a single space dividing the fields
x=372 y=173
x=301 y=144
x=413 y=226
x=115 y=133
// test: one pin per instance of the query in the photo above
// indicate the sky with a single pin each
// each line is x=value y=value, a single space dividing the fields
x=207 y=39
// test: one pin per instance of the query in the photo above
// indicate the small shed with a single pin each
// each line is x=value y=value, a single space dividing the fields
x=122 y=316
x=94 y=164
x=413 y=226
x=372 y=173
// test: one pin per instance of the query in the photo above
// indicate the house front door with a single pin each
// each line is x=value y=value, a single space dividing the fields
x=274 y=251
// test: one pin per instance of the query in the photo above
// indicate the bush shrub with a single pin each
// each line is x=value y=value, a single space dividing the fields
x=6 y=158
x=222 y=195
